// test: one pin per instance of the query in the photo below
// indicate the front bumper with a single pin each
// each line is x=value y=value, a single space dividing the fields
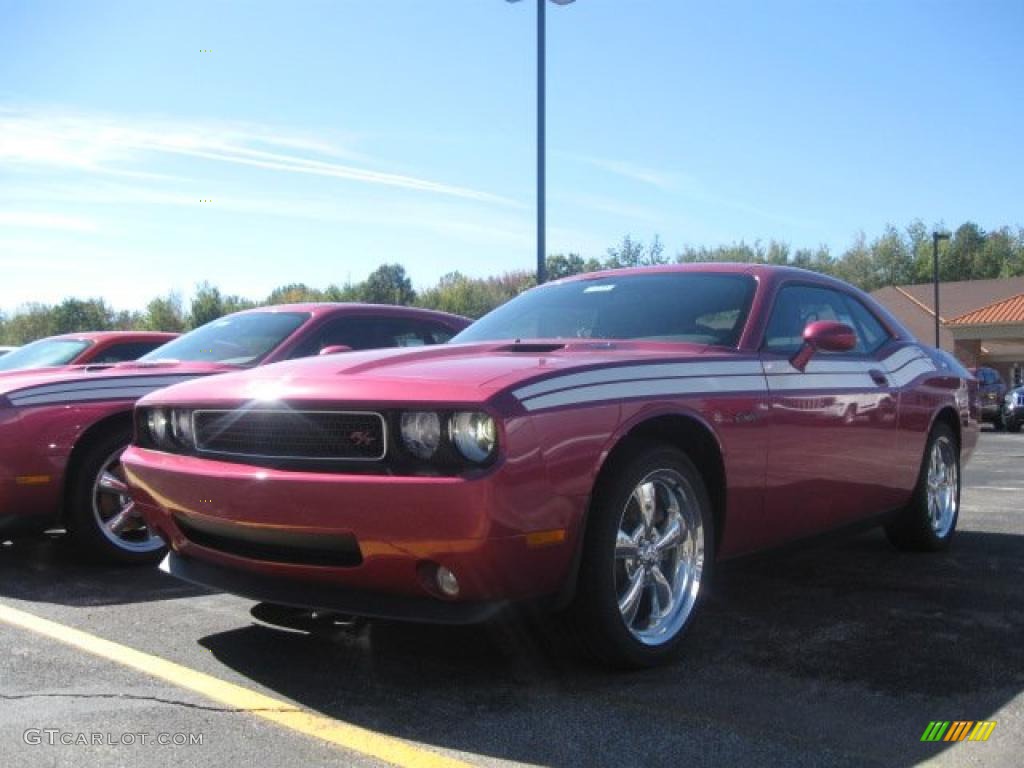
x=296 y=592
x=362 y=544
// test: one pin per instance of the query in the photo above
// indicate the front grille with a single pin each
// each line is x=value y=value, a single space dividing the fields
x=272 y=545
x=292 y=435
x=1020 y=398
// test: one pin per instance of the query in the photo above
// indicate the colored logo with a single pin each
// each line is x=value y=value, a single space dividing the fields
x=958 y=730
x=362 y=438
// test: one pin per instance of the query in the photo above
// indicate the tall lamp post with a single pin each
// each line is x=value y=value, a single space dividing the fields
x=936 y=236
x=541 y=128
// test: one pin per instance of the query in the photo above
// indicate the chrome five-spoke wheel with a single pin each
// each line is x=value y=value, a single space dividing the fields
x=647 y=556
x=114 y=512
x=943 y=484
x=659 y=556
x=928 y=522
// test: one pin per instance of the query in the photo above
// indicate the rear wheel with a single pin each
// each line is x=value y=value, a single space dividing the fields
x=927 y=524
x=644 y=570
x=102 y=520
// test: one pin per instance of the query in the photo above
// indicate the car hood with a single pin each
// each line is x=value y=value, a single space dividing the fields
x=42 y=386
x=450 y=373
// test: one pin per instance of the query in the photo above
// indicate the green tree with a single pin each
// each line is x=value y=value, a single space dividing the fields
x=236 y=304
x=633 y=253
x=957 y=260
x=388 y=284
x=560 y=265
x=294 y=293
x=30 y=322
x=164 y=314
x=893 y=258
x=73 y=315
x=207 y=305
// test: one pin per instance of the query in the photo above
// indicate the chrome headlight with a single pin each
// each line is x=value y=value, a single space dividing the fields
x=474 y=435
x=421 y=433
x=181 y=428
x=157 y=423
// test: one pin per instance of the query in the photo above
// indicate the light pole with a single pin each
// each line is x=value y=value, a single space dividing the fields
x=936 y=236
x=541 y=129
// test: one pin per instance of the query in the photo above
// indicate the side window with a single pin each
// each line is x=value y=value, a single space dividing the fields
x=373 y=333
x=870 y=331
x=133 y=350
x=798 y=305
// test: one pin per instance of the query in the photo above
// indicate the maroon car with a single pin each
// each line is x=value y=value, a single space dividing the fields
x=84 y=349
x=594 y=447
x=62 y=432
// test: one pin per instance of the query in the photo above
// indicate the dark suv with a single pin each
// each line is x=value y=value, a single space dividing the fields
x=992 y=391
x=1013 y=410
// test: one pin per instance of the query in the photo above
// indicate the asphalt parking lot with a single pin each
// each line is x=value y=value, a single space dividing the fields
x=837 y=653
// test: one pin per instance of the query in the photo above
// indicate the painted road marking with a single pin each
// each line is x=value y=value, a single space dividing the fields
x=350 y=737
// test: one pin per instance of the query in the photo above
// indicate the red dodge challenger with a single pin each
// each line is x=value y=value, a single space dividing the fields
x=83 y=349
x=62 y=432
x=594 y=447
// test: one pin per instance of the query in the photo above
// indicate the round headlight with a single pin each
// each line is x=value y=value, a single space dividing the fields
x=156 y=423
x=421 y=433
x=474 y=434
x=181 y=427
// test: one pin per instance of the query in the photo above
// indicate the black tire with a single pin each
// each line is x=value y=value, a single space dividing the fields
x=913 y=529
x=1012 y=425
x=87 y=536
x=599 y=625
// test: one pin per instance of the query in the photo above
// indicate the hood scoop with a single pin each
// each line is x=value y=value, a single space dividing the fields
x=530 y=349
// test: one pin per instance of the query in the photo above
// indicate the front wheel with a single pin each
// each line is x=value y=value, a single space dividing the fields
x=102 y=520
x=647 y=558
x=927 y=524
x=1012 y=425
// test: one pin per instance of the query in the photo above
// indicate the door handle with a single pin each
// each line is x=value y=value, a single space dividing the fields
x=878 y=377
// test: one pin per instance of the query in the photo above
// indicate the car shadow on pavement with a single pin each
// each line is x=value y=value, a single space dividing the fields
x=44 y=569
x=837 y=654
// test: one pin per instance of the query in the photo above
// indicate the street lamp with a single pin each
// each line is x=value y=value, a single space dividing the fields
x=936 y=236
x=541 y=106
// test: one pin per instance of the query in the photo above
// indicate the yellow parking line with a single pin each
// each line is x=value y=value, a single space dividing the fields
x=351 y=737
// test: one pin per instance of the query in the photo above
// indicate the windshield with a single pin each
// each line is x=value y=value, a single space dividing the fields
x=242 y=339
x=43 y=353
x=695 y=307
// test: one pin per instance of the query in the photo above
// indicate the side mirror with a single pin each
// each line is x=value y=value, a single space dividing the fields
x=824 y=336
x=334 y=349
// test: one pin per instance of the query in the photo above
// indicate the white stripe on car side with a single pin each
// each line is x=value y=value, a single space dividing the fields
x=640 y=372
x=114 y=381
x=646 y=388
x=691 y=378
x=123 y=391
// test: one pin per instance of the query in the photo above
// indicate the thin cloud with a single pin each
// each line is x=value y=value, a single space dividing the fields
x=49 y=221
x=101 y=144
x=660 y=179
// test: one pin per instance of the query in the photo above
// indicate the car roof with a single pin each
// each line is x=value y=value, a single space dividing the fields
x=118 y=335
x=330 y=308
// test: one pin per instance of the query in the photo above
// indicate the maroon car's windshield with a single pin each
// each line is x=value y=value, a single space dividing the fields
x=43 y=353
x=694 y=307
x=242 y=339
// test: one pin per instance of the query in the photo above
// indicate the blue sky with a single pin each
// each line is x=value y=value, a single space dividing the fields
x=332 y=136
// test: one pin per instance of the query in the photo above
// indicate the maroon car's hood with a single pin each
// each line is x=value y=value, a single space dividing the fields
x=36 y=383
x=451 y=373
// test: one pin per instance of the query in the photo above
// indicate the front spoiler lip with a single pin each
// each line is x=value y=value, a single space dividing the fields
x=304 y=594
